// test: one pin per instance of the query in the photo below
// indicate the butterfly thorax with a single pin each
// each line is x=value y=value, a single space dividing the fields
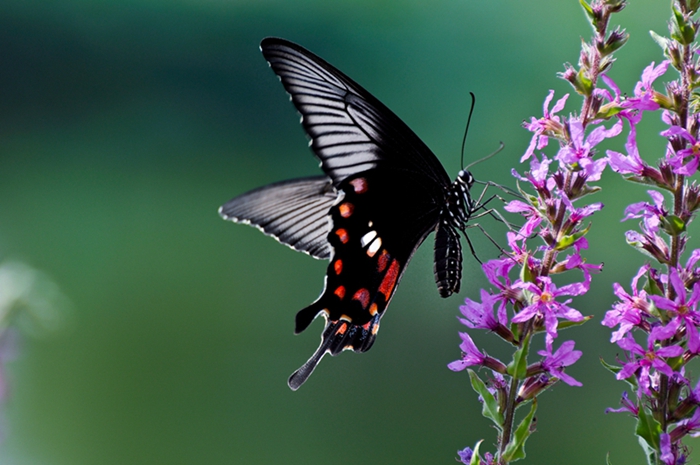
x=459 y=205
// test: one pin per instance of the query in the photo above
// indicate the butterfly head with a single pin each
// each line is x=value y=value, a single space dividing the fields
x=465 y=177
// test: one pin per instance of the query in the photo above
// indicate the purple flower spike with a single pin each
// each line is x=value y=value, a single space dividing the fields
x=563 y=357
x=470 y=354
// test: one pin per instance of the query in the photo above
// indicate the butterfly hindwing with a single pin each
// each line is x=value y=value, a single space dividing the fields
x=371 y=249
x=293 y=212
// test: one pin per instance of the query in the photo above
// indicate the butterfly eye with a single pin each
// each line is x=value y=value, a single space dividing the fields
x=466 y=177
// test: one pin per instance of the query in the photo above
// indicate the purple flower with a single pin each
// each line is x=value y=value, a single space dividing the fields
x=687 y=426
x=632 y=163
x=544 y=304
x=563 y=357
x=548 y=124
x=693 y=151
x=644 y=91
x=684 y=309
x=667 y=456
x=479 y=315
x=651 y=214
x=577 y=214
x=470 y=354
x=575 y=261
x=650 y=244
x=465 y=455
x=538 y=176
x=644 y=360
x=628 y=312
x=580 y=149
x=531 y=213
x=497 y=271
x=627 y=406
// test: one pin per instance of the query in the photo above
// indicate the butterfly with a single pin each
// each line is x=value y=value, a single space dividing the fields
x=382 y=193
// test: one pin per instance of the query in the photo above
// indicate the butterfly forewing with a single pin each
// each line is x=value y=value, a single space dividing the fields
x=350 y=130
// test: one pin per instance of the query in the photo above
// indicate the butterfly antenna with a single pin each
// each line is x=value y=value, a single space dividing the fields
x=466 y=129
x=500 y=147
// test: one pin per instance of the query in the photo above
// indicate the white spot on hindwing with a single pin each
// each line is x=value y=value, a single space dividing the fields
x=374 y=247
x=367 y=238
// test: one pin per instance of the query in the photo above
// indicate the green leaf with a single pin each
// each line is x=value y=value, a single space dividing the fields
x=490 y=408
x=661 y=40
x=568 y=240
x=570 y=324
x=476 y=460
x=589 y=11
x=649 y=453
x=526 y=274
x=517 y=368
x=632 y=380
x=652 y=287
x=673 y=225
x=648 y=428
x=681 y=30
x=613 y=368
x=515 y=450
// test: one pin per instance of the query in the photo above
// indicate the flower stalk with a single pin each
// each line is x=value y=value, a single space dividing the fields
x=526 y=299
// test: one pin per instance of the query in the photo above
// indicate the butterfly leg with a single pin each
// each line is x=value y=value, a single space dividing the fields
x=480 y=204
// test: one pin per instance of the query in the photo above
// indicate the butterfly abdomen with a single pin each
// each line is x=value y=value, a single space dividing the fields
x=448 y=259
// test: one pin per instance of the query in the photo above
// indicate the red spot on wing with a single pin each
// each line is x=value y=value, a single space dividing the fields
x=346 y=209
x=342 y=328
x=342 y=235
x=383 y=261
x=362 y=296
x=340 y=292
x=389 y=281
x=359 y=185
x=373 y=309
x=338 y=266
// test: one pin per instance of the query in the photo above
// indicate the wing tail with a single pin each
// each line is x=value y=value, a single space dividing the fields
x=339 y=335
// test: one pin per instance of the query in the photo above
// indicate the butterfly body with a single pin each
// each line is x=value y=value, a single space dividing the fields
x=384 y=192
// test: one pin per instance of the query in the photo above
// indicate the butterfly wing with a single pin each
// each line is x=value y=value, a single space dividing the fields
x=293 y=212
x=350 y=130
x=372 y=244
x=384 y=194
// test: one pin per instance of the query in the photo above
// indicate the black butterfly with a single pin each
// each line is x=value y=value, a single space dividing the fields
x=382 y=194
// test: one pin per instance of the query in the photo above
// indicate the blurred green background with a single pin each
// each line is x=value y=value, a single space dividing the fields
x=125 y=124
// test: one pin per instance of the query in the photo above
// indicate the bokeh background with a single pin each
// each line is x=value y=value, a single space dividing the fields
x=125 y=124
